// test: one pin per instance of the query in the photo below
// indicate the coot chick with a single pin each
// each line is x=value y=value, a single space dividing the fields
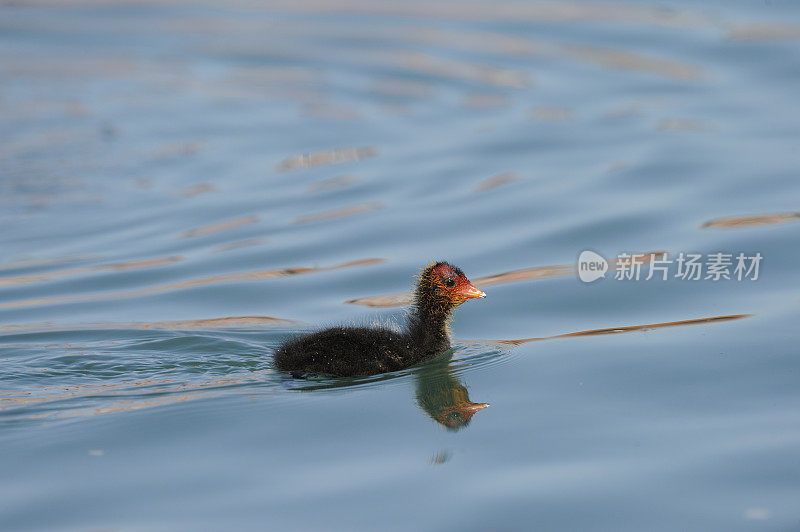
x=350 y=351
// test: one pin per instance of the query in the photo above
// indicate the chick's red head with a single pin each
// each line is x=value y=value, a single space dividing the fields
x=451 y=282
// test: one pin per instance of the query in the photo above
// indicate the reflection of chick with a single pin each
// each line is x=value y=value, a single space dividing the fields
x=443 y=397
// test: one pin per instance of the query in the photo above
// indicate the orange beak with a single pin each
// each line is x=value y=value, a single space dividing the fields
x=469 y=292
x=474 y=407
x=468 y=410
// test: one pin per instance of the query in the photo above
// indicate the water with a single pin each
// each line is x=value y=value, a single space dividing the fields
x=184 y=186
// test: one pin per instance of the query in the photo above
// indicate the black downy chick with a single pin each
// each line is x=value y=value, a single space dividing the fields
x=351 y=351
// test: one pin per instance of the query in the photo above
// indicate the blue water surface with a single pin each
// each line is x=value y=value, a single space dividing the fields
x=185 y=185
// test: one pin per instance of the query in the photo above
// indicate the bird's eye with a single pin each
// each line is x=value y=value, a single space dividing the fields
x=449 y=283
